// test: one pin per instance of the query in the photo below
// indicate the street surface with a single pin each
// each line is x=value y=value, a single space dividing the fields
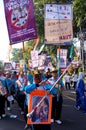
x=72 y=119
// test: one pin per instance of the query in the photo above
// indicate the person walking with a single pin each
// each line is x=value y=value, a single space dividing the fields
x=38 y=84
x=2 y=100
x=80 y=94
x=57 y=99
x=8 y=85
x=75 y=78
x=67 y=81
x=20 y=95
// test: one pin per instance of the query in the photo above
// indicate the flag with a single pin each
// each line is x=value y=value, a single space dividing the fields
x=36 y=43
x=71 y=51
x=23 y=49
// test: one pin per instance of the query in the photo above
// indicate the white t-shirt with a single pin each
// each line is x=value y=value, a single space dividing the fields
x=75 y=78
x=67 y=78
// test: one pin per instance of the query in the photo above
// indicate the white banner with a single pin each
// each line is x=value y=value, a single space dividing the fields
x=63 y=58
x=58 y=24
x=34 y=58
x=58 y=12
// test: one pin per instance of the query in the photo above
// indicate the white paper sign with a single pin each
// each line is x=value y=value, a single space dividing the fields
x=59 y=12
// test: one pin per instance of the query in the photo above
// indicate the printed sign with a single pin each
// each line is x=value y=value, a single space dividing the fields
x=58 y=31
x=58 y=12
x=34 y=58
x=8 y=66
x=63 y=58
x=20 y=20
x=41 y=61
x=41 y=114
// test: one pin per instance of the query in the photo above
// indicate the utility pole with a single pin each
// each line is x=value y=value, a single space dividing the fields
x=81 y=37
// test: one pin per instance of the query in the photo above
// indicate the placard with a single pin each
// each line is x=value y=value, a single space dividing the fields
x=42 y=114
x=20 y=20
x=58 y=24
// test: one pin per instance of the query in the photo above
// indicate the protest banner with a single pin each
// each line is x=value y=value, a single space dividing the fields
x=20 y=20
x=58 y=24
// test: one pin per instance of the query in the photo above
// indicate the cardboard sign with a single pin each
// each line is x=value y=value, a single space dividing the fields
x=58 y=24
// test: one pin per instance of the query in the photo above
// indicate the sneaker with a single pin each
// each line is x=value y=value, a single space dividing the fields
x=8 y=108
x=77 y=108
x=22 y=113
x=59 y=122
x=3 y=115
x=13 y=116
x=26 y=127
x=52 y=120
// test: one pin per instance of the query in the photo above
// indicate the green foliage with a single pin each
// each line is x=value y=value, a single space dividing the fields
x=39 y=14
x=1 y=65
x=16 y=55
x=79 y=11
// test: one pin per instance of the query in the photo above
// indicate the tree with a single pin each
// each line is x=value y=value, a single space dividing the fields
x=79 y=11
x=1 y=65
x=16 y=55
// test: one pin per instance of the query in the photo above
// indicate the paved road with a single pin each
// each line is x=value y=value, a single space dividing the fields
x=72 y=119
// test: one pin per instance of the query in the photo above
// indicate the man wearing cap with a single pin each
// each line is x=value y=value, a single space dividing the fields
x=57 y=98
x=38 y=85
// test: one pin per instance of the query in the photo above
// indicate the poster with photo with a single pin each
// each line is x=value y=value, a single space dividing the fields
x=41 y=61
x=63 y=58
x=41 y=114
x=34 y=58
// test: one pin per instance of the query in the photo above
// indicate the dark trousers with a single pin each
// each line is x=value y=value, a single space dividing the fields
x=67 y=85
x=7 y=102
x=2 y=105
x=42 y=127
x=25 y=112
x=21 y=100
x=56 y=108
x=75 y=85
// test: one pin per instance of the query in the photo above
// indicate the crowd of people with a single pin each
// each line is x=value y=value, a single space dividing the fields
x=18 y=86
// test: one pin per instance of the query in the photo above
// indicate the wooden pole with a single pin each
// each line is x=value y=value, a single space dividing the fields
x=23 y=49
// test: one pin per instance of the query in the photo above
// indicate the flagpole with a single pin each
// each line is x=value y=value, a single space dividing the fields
x=58 y=59
x=23 y=49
